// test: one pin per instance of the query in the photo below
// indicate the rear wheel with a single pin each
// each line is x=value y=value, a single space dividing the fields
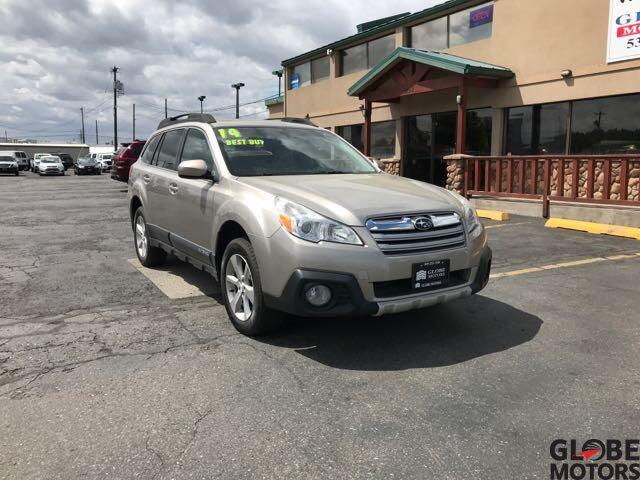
x=242 y=291
x=148 y=255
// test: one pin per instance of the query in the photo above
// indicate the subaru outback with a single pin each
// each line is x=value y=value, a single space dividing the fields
x=290 y=218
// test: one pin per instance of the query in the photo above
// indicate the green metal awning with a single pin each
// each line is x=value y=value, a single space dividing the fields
x=443 y=61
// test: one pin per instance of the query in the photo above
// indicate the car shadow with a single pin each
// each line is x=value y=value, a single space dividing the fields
x=440 y=336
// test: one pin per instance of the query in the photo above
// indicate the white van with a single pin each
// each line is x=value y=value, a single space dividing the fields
x=21 y=158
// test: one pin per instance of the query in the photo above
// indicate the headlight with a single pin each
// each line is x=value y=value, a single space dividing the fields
x=80 y=166
x=311 y=226
x=470 y=215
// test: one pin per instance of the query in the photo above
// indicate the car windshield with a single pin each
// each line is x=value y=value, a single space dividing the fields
x=6 y=159
x=86 y=161
x=261 y=151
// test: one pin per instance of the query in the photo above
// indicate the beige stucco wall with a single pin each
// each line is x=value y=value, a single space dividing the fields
x=537 y=39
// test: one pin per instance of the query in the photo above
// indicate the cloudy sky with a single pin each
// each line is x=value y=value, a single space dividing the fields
x=56 y=57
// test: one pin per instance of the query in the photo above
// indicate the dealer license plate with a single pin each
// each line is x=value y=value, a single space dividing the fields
x=430 y=275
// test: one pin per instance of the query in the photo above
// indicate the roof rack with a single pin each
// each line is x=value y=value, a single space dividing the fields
x=303 y=121
x=187 y=117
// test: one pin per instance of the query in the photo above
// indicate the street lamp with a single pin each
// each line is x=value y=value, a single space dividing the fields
x=278 y=73
x=201 y=98
x=237 y=86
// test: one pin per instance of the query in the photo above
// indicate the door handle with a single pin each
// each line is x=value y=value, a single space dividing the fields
x=146 y=178
x=173 y=188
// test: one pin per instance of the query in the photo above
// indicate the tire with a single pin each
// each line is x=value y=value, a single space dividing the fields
x=17 y=173
x=147 y=255
x=237 y=293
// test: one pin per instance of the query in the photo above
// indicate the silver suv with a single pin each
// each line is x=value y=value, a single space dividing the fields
x=291 y=218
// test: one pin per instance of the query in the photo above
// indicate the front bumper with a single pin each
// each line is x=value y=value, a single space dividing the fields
x=382 y=283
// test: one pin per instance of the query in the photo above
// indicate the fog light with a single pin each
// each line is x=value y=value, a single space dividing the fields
x=318 y=295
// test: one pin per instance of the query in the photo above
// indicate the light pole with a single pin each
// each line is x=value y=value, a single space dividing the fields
x=237 y=86
x=278 y=73
x=201 y=98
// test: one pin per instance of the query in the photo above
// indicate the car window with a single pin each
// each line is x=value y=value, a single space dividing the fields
x=136 y=148
x=147 y=155
x=169 y=149
x=196 y=147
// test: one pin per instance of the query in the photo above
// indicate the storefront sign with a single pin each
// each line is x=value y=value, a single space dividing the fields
x=295 y=81
x=481 y=16
x=624 y=30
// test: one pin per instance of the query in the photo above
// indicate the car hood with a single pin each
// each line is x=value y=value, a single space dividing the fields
x=353 y=198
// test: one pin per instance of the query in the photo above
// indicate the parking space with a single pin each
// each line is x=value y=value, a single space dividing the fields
x=109 y=370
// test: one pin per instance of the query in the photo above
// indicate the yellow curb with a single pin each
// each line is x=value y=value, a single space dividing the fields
x=493 y=215
x=597 y=228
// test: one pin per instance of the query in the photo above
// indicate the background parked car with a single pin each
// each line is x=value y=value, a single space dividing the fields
x=105 y=160
x=8 y=164
x=87 y=166
x=50 y=165
x=36 y=160
x=67 y=160
x=20 y=157
x=124 y=158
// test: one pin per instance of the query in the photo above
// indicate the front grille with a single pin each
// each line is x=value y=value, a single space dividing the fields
x=398 y=234
x=399 y=288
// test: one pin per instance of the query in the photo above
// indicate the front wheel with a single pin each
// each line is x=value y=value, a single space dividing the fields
x=242 y=291
x=148 y=255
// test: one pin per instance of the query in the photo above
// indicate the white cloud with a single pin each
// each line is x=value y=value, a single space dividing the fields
x=57 y=54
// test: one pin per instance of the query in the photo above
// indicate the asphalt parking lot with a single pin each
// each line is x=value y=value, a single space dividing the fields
x=105 y=375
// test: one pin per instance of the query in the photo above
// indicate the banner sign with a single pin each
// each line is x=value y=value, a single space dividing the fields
x=481 y=16
x=624 y=30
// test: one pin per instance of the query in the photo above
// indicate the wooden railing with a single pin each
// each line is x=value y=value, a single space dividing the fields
x=602 y=179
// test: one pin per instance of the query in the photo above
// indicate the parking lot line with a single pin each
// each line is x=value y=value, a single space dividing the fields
x=575 y=263
x=179 y=280
x=507 y=225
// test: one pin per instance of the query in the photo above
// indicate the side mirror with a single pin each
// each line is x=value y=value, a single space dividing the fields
x=193 y=169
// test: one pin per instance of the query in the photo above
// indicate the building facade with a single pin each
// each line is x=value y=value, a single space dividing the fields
x=504 y=77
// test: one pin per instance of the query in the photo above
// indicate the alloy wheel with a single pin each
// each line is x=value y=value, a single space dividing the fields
x=239 y=286
x=141 y=237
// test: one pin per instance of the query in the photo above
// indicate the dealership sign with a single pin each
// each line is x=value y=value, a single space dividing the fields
x=624 y=30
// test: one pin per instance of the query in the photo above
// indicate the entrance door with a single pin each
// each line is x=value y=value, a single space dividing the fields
x=429 y=139
x=444 y=134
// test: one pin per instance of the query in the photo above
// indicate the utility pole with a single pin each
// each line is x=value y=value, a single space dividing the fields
x=82 y=115
x=97 y=141
x=134 y=123
x=237 y=86
x=165 y=108
x=115 y=106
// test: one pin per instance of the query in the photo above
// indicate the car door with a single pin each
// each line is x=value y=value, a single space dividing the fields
x=191 y=213
x=162 y=187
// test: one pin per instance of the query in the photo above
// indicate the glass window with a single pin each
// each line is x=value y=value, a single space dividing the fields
x=352 y=134
x=479 y=124
x=606 y=125
x=303 y=75
x=379 y=49
x=258 y=151
x=354 y=59
x=383 y=139
x=470 y=25
x=430 y=36
x=169 y=149
x=196 y=147
x=537 y=129
x=319 y=69
x=151 y=145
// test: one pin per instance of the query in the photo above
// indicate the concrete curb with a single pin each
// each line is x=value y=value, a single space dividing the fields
x=596 y=228
x=493 y=215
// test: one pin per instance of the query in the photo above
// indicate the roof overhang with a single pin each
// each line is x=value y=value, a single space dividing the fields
x=429 y=60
